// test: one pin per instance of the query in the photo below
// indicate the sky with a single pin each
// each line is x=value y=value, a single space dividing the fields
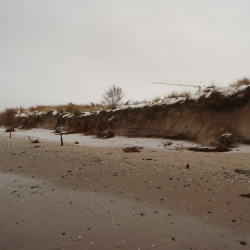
x=54 y=52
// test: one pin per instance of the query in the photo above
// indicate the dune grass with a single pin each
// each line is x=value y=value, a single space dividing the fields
x=240 y=82
x=70 y=107
x=179 y=94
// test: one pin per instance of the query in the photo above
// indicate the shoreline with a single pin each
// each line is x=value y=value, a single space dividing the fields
x=150 y=193
x=46 y=135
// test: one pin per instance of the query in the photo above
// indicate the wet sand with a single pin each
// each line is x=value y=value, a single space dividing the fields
x=73 y=197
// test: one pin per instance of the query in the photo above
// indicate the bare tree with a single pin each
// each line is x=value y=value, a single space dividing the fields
x=112 y=96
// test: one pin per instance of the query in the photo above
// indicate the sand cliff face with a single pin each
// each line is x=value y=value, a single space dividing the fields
x=205 y=120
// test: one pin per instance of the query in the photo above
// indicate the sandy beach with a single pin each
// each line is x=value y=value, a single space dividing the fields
x=89 y=197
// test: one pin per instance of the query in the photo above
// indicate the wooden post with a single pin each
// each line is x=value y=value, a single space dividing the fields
x=10 y=134
x=61 y=139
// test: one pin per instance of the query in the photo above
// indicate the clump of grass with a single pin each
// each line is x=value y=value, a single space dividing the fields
x=40 y=108
x=215 y=100
x=182 y=94
x=7 y=115
x=21 y=109
x=241 y=82
x=212 y=85
x=172 y=95
x=216 y=95
x=136 y=102
x=185 y=94
x=73 y=109
x=127 y=102
x=110 y=106
x=10 y=112
x=145 y=101
x=156 y=99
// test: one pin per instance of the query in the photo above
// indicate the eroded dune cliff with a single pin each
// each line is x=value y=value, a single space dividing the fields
x=207 y=120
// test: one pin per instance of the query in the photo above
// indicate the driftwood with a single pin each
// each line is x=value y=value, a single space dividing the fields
x=10 y=129
x=220 y=148
x=132 y=149
x=242 y=171
x=106 y=134
x=245 y=195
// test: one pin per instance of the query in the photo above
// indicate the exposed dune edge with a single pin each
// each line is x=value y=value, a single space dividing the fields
x=204 y=121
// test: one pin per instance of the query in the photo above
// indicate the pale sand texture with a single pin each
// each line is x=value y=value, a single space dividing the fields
x=117 y=141
x=73 y=197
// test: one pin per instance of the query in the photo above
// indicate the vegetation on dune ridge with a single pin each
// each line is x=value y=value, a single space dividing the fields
x=112 y=98
x=240 y=82
x=181 y=94
x=70 y=107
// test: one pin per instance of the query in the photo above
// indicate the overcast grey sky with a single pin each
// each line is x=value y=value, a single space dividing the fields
x=59 y=51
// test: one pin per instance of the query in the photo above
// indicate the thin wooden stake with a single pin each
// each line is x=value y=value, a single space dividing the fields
x=61 y=139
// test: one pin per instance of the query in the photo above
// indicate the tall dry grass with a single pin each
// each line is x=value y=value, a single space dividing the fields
x=75 y=109
x=7 y=115
x=240 y=82
x=179 y=94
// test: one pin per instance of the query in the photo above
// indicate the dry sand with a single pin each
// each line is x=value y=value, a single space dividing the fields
x=73 y=197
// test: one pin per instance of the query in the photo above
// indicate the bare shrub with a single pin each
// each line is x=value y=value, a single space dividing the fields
x=112 y=96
